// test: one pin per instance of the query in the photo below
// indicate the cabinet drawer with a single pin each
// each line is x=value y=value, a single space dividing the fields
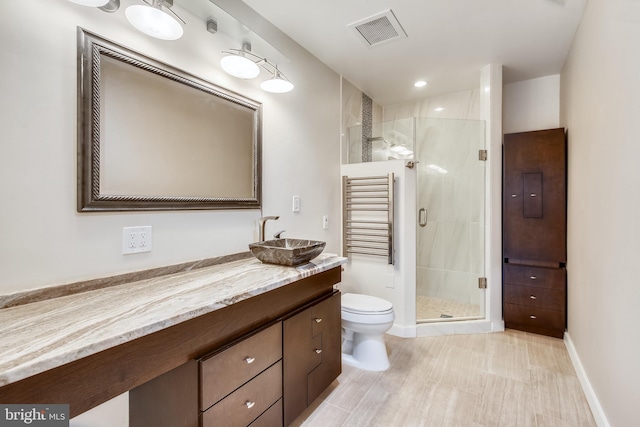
x=534 y=319
x=550 y=299
x=248 y=402
x=225 y=371
x=535 y=276
x=272 y=417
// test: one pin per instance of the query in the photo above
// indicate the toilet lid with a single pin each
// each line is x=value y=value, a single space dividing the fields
x=358 y=303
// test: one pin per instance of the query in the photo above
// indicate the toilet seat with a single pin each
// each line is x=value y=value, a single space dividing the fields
x=365 y=304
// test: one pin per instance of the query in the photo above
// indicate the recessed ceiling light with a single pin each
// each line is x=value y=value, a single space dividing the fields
x=420 y=83
x=439 y=109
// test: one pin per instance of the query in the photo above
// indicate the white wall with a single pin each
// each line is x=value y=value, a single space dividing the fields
x=600 y=108
x=531 y=104
x=44 y=241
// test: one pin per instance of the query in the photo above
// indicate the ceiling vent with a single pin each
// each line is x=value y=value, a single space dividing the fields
x=378 y=29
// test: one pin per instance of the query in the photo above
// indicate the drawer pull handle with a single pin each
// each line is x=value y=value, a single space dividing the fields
x=514 y=195
x=318 y=319
x=533 y=317
x=533 y=194
x=318 y=350
x=249 y=360
x=249 y=405
x=533 y=297
x=533 y=277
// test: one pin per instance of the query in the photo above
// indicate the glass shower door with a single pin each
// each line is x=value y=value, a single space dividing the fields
x=451 y=219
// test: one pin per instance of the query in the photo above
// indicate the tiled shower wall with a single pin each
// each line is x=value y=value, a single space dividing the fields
x=358 y=111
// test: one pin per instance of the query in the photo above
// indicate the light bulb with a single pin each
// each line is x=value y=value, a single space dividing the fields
x=154 y=22
x=240 y=66
x=276 y=85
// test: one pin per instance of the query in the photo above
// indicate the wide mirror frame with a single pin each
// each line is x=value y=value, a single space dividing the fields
x=91 y=195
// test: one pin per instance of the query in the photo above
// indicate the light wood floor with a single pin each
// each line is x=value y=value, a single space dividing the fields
x=507 y=379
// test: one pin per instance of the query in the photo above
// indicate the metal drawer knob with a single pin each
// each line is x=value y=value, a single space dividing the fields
x=249 y=404
x=533 y=277
x=514 y=195
x=532 y=297
x=533 y=317
x=318 y=319
x=249 y=359
x=533 y=194
x=318 y=350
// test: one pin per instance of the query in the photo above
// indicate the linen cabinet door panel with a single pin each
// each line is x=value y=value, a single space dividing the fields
x=535 y=195
x=550 y=299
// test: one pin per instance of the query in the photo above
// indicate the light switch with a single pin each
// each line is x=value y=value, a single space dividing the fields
x=296 y=203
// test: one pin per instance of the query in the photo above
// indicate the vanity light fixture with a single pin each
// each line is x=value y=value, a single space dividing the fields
x=244 y=64
x=152 y=20
x=104 y=5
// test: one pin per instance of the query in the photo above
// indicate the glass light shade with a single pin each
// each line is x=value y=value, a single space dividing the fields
x=276 y=85
x=154 y=22
x=240 y=66
x=92 y=3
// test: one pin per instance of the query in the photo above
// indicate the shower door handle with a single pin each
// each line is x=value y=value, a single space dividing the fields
x=422 y=213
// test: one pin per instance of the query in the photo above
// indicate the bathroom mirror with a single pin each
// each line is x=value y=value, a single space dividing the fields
x=152 y=137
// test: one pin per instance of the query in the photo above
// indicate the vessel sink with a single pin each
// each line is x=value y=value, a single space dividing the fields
x=289 y=252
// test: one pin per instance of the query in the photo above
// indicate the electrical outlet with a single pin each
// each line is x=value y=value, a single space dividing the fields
x=325 y=222
x=136 y=239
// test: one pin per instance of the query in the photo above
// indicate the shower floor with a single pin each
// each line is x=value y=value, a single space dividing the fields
x=429 y=308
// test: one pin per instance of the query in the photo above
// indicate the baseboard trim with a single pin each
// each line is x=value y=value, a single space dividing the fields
x=596 y=409
x=402 y=331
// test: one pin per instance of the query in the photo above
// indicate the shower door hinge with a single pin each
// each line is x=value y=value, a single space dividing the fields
x=482 y=282
x=482 y=155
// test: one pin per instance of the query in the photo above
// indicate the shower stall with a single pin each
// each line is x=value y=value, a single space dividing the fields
x=447 y=157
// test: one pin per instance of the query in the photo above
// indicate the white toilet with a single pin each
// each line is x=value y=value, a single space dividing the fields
x=365 y=319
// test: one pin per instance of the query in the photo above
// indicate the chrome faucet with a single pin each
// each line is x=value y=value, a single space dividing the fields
x=262 y=222
x=278 y=234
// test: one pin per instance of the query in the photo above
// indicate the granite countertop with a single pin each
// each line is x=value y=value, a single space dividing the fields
x=46 y=334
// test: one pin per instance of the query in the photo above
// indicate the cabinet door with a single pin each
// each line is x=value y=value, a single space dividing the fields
x=311 y=354
x=535 y=196
x=330 y=330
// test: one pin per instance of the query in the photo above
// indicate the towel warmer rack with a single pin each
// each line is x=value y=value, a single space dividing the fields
x=367 y=216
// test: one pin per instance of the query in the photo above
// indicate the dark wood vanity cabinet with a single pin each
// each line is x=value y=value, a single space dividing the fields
x=312 y=356
x=264 y=378
x=534 y=231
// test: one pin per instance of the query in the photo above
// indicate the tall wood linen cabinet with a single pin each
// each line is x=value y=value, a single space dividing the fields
x=534 y=232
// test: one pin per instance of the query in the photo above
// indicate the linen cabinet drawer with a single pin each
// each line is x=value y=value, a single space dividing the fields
x=225 y=371
x=550 y=299
x=541 y=277
x=534 y=319
x=247 y=403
